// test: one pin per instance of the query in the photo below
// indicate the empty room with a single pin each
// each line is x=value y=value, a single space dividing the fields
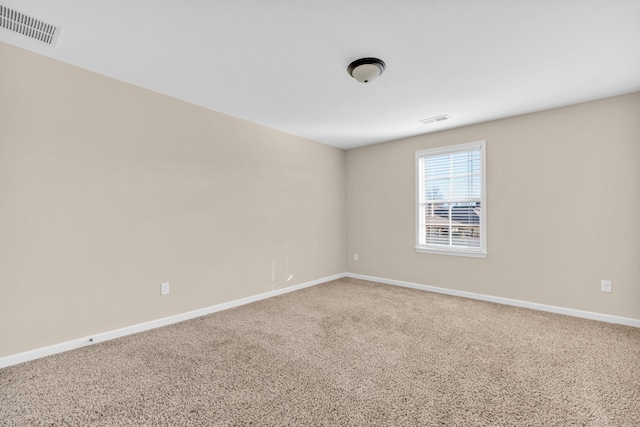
x=394 y=213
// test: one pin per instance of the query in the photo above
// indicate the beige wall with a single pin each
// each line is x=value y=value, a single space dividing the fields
x=107 y=190
x=563 y=203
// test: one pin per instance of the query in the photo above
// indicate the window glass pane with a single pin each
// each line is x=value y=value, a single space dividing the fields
x=465 y=163
x=466 y=213
x=436 y=220
x=437 y=236
x=436 y=214
x=437 y=166
x=468 y=237
x=437 y=189
x=465 y=187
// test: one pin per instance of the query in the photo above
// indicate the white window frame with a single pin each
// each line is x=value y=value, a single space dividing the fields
x=480 y=252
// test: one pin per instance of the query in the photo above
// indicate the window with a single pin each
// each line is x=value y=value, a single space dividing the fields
x=451 y=200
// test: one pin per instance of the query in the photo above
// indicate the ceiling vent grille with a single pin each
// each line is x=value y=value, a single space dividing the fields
x=435 y=119
x=28 y=26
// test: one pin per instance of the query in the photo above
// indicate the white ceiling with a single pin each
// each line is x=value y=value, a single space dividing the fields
x=282 y=63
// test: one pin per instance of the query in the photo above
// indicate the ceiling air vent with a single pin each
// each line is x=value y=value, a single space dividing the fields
x=435 y=119
x=28 y=26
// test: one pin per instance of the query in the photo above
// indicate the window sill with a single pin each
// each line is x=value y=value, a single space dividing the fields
x=470 y=254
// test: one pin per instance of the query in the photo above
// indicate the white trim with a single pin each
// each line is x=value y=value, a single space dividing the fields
x=140 y=327
x=506 y=301
x=472 y=254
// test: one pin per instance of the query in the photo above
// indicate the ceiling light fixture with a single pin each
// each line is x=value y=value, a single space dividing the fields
x=366 y=70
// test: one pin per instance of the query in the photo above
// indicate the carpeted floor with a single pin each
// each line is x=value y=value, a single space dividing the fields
x=343 y=353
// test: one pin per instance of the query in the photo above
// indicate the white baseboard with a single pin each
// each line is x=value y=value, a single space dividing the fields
x=117 y=333
x=507 y=301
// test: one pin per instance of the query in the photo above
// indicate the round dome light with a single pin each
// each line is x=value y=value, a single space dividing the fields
x=366 y=70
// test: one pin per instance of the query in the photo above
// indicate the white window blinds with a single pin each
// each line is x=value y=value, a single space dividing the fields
x=451 y=199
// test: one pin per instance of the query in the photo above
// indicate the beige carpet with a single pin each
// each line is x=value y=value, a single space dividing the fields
x=343 y=353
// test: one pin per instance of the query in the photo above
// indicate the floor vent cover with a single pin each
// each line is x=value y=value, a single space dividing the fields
x=28 y=26
x=435 y=119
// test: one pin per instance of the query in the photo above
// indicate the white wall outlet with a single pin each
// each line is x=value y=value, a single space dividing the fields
x=164 y=288
x=355 y=257
x=605 y=285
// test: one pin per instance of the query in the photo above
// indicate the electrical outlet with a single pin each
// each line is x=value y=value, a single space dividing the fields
x=355 y=257
x=605 y=285
x=164 y=288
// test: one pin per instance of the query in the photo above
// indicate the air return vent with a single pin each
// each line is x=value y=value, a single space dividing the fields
x=28 y=26
x=435 y=119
